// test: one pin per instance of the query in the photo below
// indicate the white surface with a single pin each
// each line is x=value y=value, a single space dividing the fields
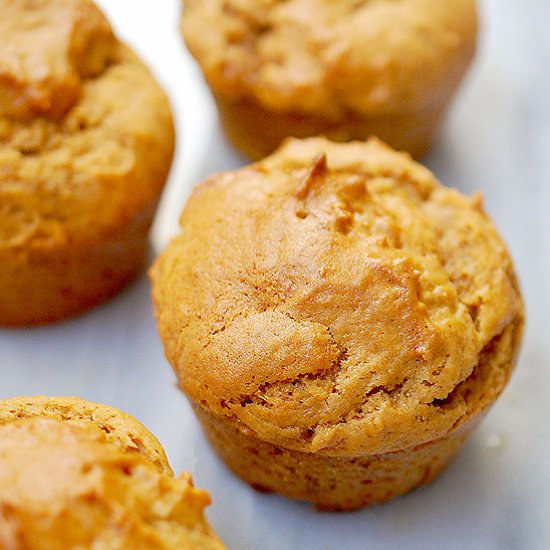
x=496 y=495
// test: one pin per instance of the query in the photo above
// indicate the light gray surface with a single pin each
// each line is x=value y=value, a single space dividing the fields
x=496 y=495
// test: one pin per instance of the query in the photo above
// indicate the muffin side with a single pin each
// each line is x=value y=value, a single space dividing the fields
x=346 y=483
x=257 y=132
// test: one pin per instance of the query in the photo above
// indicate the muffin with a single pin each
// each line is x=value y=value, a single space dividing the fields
x=339 y=320
x=86 y=142
x=347 y=69
x=75 y=474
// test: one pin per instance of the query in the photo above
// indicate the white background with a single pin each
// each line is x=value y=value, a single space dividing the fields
x=496 y=495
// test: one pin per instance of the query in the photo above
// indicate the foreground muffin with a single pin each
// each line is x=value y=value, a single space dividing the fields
x=86 y=142
x=339 y=320
x=347 y=69
x=75 y=474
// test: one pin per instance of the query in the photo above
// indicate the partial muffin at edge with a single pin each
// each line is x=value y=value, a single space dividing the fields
x=119 y=428
x=80 y=474
x=335 y=305
x=346 y=70
x=86 y=142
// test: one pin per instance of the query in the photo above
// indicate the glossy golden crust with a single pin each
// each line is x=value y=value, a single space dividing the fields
x=337 y=299
x=346 y=69
x=86 y=141
x=66 y=481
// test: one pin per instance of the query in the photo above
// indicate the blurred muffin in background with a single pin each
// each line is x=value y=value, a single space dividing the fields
x=75 y=474
x=345 y=69
x=86 y=143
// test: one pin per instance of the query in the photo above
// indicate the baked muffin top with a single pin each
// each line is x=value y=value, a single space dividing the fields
x=118 y=427
x=67 y=484
x=86 y=134
x=337 y=298
x=372 y=57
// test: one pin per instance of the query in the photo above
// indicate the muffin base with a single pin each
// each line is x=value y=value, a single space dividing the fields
x=47 y=284
x=331 y=483
x=257 y=132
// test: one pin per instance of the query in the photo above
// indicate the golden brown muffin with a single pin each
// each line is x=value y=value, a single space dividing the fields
x=119 y=428
x=75 y=474
x=86 y=142
x=347 y=69
x=339 y=320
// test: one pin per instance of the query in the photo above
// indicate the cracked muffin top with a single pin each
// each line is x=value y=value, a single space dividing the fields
x=372 y=57
x=86 y=134
x=336 y=298
x=66 y=481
